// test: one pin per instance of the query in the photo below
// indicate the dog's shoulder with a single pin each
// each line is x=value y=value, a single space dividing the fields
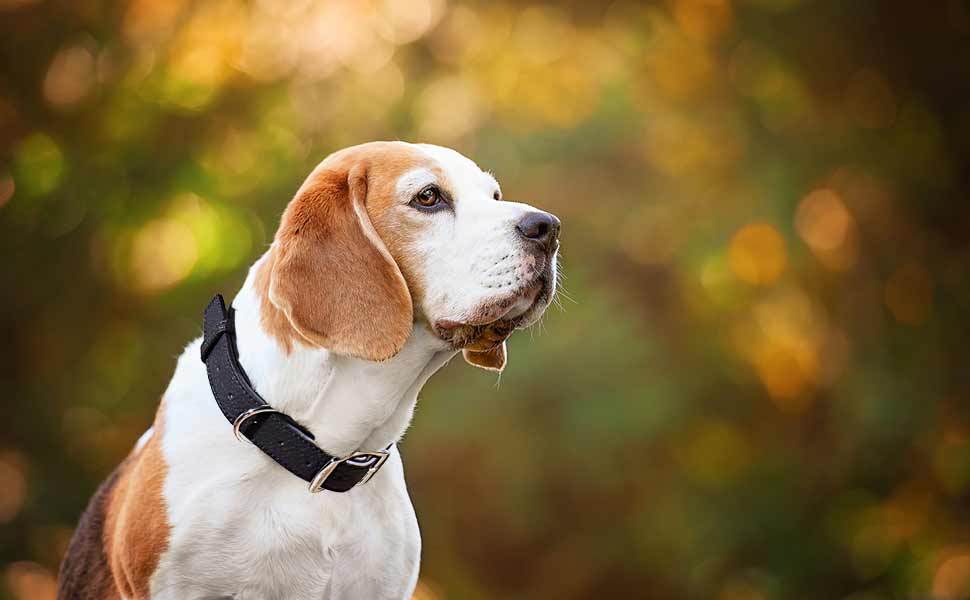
x=137 y=525
x=85 y=573
x=123 y=532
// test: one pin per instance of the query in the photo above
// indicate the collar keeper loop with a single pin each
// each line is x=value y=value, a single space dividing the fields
x=222 y=327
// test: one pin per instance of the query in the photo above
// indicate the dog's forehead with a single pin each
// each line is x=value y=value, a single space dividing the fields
x=460 y=170
x=402 y=168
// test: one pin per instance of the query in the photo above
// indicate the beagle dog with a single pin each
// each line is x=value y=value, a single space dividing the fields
x=391 y=258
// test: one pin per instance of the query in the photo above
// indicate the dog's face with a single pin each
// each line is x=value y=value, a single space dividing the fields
x=385 y=235
x=477 y=266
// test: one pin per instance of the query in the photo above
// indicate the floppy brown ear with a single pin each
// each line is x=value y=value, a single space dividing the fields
x=332 y=275
x=490 y=360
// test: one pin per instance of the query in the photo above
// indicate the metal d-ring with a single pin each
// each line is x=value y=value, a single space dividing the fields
x=241 y=419
x=376 y=460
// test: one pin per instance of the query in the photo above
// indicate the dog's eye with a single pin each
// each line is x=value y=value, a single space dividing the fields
x=429 y=197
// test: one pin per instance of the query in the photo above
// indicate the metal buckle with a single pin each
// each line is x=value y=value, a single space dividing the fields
x=241 y=419
x=378 y=458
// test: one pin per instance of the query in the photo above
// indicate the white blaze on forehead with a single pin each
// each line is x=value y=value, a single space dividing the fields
x=462 y=172
x=414 y=181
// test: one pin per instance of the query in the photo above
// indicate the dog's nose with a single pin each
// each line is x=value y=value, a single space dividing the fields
x=540 y=227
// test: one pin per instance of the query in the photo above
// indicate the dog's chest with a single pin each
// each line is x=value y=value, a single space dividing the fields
x=246 y=537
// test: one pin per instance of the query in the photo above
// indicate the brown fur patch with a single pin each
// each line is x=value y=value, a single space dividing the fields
x=272 y=319
x=401 y=228
x=85 y=573
x=334 y=276
x=136 y=525
x=123 y=532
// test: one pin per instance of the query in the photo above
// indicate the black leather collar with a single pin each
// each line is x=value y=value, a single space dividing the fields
x=279 y=436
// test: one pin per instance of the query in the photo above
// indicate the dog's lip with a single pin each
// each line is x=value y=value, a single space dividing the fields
x=530 y=292
x=448 y=324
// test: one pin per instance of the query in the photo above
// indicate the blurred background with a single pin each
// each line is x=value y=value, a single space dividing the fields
x=757 y=385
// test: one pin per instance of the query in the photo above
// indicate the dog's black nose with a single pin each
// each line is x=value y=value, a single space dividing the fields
x=540 y=227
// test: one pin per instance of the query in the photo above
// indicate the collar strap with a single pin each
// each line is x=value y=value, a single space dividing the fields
x=276 y=434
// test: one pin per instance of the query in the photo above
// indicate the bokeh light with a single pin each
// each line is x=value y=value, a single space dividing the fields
x=13 y=493
x=757 y=254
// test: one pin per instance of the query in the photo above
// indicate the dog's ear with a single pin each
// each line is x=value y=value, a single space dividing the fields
x=332 y=275
x=490 y=360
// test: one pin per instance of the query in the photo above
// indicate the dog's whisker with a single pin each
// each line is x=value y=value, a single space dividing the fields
x=561 y=290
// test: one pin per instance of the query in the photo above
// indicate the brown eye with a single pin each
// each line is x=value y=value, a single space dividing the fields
x=497 y=196
x=429 y=197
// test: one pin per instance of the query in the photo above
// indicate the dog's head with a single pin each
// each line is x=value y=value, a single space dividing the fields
x=386 y=235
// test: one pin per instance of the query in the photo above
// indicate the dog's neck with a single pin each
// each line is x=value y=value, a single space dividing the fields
x=349 y=404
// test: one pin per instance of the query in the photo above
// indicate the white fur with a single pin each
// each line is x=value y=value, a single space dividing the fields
x=242 y=527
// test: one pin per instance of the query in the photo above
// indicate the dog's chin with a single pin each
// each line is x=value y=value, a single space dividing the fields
x=495 y=320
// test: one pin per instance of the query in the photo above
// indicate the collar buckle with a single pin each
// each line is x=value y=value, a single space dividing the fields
x=373 y=461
